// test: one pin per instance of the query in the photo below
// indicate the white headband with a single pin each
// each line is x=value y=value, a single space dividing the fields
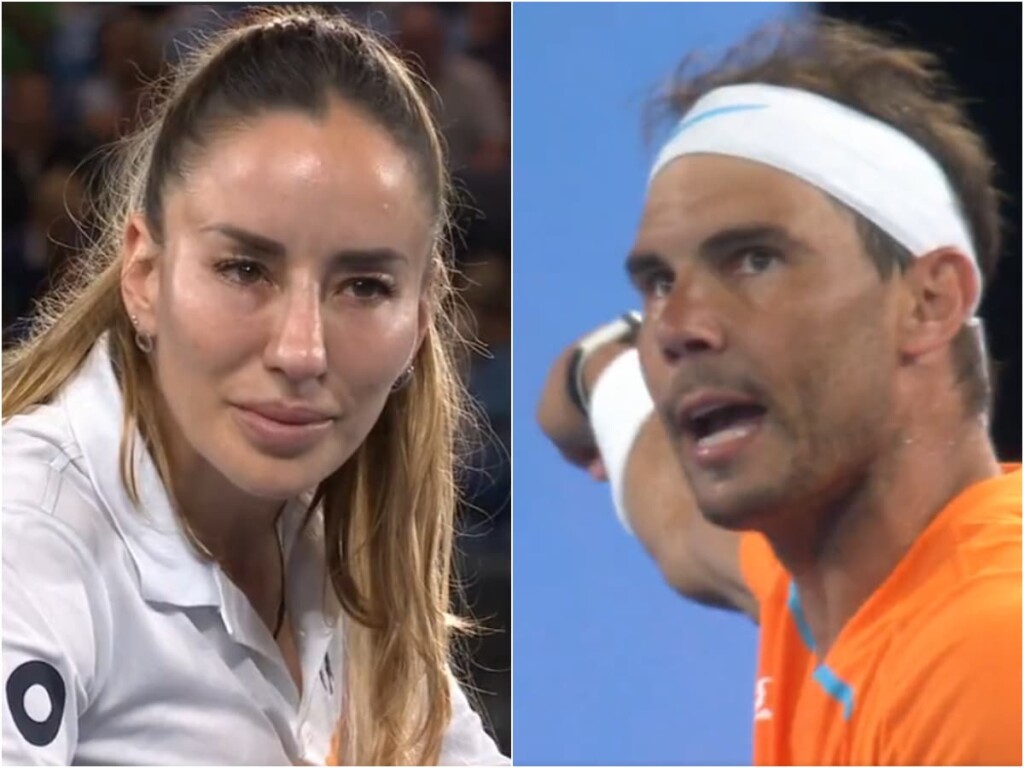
x=862 y=162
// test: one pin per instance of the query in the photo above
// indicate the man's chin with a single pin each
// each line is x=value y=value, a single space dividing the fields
x=727 y=517
x=728 y=504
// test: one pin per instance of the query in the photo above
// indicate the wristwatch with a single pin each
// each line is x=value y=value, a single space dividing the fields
x=622 y=329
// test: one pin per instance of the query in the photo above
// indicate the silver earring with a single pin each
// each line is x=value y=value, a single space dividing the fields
x=142 y=340
x=403 y=381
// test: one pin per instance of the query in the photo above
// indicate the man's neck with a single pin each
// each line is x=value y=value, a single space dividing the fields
x=873 y=525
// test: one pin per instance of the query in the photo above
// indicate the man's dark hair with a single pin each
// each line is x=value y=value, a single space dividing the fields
x=875 y=74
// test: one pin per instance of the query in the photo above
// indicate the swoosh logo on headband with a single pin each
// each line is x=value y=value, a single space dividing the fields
x=689 y=122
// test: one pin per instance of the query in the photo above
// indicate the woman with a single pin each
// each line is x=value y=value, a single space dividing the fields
x=228 y=444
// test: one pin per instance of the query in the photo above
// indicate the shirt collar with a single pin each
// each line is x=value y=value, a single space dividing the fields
x=170 y=570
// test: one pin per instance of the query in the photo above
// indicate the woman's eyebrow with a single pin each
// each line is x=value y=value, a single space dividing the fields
x=348 y=258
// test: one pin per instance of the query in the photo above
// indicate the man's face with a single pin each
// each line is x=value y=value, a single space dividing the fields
x=769 y=338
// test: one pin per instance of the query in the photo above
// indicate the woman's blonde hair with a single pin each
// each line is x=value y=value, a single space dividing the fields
x=388 y=512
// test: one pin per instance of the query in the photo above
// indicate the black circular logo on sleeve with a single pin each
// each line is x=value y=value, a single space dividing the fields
x=21 y=680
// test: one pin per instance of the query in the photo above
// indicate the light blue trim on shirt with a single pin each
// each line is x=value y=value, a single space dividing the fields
x=834 y=687
x=795 y=608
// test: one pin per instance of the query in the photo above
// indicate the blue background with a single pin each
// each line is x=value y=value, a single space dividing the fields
x=609 y=665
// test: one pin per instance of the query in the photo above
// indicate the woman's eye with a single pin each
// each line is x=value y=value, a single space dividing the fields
x=368 y=288
x=242 y=271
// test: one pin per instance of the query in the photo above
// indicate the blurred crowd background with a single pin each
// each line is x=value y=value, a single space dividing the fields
x=73 y=75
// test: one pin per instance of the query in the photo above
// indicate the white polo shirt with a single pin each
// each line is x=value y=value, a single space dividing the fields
x=122 y=646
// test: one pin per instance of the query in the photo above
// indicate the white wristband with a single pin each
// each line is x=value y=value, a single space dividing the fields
x=619 y=406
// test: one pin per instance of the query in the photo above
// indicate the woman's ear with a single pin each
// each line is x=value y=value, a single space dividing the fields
x=943 y=290
x=140 y=274
x=426 y=317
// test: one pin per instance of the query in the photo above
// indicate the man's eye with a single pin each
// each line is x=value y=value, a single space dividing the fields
x=753 y=261
x=661 y=286
x=656 y=284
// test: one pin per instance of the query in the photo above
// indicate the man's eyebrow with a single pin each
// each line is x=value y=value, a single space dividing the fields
x=643 y=262
x=639 y=263
x=746 y=234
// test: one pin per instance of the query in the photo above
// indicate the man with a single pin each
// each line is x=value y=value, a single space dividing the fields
x=810 y=257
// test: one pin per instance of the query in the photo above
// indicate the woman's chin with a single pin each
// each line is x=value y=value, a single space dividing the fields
x=261 y=475
x=276 y=483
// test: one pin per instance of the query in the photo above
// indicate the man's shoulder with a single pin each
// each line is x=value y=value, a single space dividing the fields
x=952 y=679
x=975 y=620
x=964 y=572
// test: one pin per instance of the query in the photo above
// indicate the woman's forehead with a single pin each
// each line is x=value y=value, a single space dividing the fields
x=339 y=149
x=283 y=172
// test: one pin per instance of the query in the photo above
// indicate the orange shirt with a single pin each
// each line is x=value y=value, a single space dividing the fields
x=928 y=670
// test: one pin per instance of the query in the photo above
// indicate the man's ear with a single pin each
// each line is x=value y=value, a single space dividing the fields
x=942 y=291
x=140 y=274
